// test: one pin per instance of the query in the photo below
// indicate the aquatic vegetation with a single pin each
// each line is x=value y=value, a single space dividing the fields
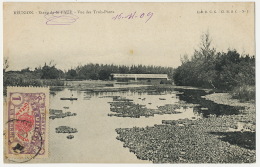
x=59 y=114
x=169 y=108
x=123 y=107
x=65 y=129
x=109 y=96
x=52 y=93
x=189 y=141
x=57 y=88
x=129 y=109
x=214 y=139
x=162 y=99
x=70 y=137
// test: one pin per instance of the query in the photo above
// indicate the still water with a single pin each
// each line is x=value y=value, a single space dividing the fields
x=96 y=137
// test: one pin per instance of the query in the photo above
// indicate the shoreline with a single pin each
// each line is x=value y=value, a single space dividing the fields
x=223 y=139
x=226 y=99
x=249 y=111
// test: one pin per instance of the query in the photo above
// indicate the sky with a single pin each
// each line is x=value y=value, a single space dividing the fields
x=173 y=30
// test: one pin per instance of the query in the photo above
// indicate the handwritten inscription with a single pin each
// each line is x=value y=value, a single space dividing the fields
x=60 y=19
x=134 y=15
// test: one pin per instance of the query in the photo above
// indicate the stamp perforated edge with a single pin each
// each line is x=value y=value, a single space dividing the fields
x=28 y=89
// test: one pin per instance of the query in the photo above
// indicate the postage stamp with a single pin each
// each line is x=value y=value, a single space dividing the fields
x=26 y=123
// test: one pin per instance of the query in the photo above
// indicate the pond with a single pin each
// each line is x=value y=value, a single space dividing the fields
x=96 y=140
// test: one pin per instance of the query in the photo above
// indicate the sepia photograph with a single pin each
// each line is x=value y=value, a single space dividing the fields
x=129 y=83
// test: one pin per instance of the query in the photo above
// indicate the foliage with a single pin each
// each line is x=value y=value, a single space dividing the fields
x=169 y=82
x=5 y=64
x=104 y=71
x=48 y=75
x=234 y=70
x=71 y=74
x=50 y=72
x=28 y=79
x=209 y=69
x=244 y=93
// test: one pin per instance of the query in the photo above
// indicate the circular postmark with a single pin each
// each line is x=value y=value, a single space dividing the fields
x=23 y=150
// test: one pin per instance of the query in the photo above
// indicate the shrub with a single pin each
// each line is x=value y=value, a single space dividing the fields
x=244 y=93
x=166 y=82
x=28 y=80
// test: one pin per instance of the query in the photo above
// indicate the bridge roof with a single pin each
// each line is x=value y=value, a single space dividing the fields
x=161 y=76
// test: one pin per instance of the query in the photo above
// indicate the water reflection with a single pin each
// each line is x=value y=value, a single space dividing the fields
x=155 y=97
x=206 y=107
x=96 y=135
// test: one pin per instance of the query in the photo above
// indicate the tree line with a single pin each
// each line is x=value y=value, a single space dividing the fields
x=219 y=70
x=104 y=71
x=89 y=71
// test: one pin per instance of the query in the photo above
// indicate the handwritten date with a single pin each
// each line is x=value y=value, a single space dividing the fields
x=134 y=15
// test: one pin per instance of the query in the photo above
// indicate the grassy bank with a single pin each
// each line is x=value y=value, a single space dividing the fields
x=247 y=115
x=20 y=80
x=244 y=93
x=28 y=80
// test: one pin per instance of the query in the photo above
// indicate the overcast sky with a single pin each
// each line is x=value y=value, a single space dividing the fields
x=173 y=30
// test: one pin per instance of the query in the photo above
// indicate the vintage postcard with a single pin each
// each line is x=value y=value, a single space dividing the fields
x=129 y=82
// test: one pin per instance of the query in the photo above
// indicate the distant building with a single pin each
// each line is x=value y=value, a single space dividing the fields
x=139 y=77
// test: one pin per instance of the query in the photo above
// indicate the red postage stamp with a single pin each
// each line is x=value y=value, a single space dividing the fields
x=26 y=123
